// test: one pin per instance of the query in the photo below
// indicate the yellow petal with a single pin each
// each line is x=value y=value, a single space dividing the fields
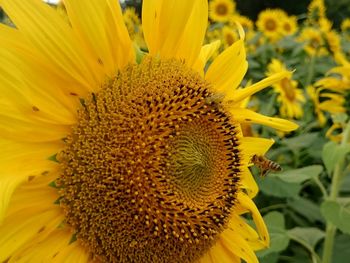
x=234 y=96
x=228 y=69
x=206 y=258
x=54 y=39
x=238 y=246
x=220 y=253
x=100 y=24
x=13 y=42
x=32 y=94
x=150 y=24
x=13 y=183
x=248 y=116
x=175 y=28
x=192 y=37
x=19 y=229
x=46 y=250
x=240 y=227
x=8 y=184
x=74 y=252
x=205 y=54
x=253 y=145
x=14 y=126
x=248 y=204
x=33 y=157
x=248 y=182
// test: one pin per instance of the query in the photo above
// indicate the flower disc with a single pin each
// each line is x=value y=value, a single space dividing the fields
x=151 y=170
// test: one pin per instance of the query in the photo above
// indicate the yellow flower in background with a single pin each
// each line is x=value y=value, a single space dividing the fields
x=334 y=133
x=325 y=102
x=330 y=91
x=333 y=41
x=131 y=20
x=229 y=36
x=270 y=23
x=245 y=22
x=221 y=10
x=289 y=25
x=345 y=26
x=133 y=25
x=316 y=10
x=314 y=42
x=120 y=161
x=291 y=98
x=325 y=25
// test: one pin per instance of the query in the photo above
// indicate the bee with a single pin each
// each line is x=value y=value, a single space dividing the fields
x=265 y=165
x=215 y=98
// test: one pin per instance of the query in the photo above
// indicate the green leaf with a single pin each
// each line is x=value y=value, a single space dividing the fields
x=299 y=175
x=340 y=118
x=276 y=187
x=341 y=251
x=332 y=153
x=301 y=141
x=310 y=235
x=337 y=214
x=269 y=258
x=306 y=208
x=345 y=184
x=278 y=234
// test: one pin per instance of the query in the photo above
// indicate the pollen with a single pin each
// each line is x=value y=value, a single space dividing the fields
x=151 y=170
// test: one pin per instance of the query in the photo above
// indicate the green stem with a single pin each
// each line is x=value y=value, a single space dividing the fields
x=336 y=180
x=322 y=188
x=311 y=71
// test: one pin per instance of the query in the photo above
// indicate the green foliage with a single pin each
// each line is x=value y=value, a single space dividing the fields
x=337 y=214
x=278 y=234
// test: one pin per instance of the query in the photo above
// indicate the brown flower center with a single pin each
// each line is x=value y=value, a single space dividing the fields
x=270 y=25
x=288 y=89
x=150 y=171
x=221 y=9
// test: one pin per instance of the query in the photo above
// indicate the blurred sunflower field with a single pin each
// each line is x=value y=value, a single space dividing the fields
x=306 y=206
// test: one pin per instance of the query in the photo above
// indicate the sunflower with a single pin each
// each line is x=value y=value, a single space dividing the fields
x=289 y=96
x=133 y=24
x=131 y=20
x=316 y=10
x=107 y=159
x=329 y=93
x=289 y=25
x=229 y=36
x=270 y=23
x=333 y=41
x=325 y=25
x=221 y=10
x=314 y=42
x=325 y=102
x=245 y=22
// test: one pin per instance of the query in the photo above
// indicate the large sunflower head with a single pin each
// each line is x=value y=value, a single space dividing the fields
x=121 y=160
